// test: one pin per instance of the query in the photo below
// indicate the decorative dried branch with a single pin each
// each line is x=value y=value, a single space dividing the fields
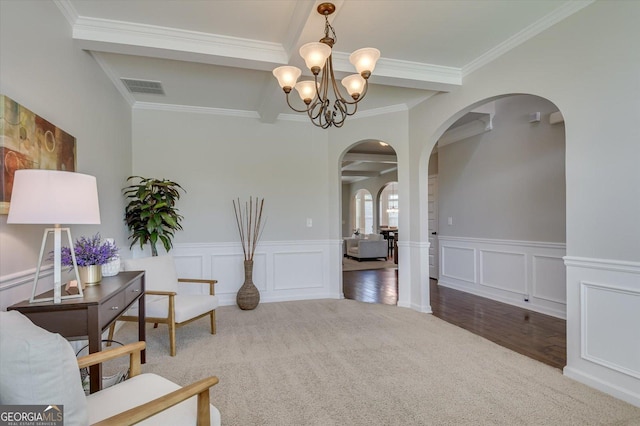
x=250 y=224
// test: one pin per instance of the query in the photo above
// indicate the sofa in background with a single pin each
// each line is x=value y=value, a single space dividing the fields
x=373 y=246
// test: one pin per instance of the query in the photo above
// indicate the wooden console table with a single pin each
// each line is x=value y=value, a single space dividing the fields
x=87 y=317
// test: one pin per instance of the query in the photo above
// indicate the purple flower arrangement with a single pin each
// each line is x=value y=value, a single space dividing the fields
x=89 y=251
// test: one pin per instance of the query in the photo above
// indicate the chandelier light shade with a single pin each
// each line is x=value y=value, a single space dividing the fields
x=54 y=197
x=323 y=110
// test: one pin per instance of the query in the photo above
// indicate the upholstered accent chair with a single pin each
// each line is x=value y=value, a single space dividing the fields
x=163 y=302
x=372 y=247
x=40 y=368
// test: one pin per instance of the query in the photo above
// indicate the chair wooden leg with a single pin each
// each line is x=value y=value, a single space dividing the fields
x=155 y=325
x=213 y=321
x=112 y=329
x=172 y=337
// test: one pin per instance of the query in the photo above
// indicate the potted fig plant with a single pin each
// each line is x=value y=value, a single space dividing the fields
x=151 y=214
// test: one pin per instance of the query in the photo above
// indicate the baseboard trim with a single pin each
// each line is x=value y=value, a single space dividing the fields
x=608 y=388
x=523 y=305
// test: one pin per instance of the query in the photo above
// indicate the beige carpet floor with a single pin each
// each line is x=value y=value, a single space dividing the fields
x=342 y=362
x=349 y=264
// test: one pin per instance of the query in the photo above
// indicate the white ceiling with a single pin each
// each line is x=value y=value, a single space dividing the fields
x=216 y=56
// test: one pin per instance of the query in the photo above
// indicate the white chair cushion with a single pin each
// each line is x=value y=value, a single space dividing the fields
x=139 y=390
x=187 y=306
x=39 y=367
x=160 y=272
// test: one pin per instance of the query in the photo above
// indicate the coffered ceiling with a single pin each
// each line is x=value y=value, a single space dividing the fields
x=216 y=56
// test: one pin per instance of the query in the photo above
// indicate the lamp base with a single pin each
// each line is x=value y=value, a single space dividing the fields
x=57 y=267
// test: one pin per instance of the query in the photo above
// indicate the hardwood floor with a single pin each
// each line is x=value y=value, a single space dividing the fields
x=535 y=335
x=371 y=286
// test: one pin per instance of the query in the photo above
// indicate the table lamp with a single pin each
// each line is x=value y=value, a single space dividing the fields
x=54 y=197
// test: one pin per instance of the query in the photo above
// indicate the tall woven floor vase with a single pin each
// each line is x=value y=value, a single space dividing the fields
x=248 y=296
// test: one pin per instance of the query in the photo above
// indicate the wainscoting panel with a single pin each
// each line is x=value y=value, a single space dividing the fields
x=282 y=270
x=549 y=279
x=297 y=270
x=603 y=337
x=458 y=263
x=503 y=270
x=529 y=274
x=228 y=269
x=609 y=337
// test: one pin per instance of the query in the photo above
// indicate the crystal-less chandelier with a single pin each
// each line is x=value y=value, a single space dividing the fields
x=315 y=93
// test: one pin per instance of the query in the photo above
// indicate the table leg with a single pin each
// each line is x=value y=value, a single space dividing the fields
x=141 y=325
x=95 y=345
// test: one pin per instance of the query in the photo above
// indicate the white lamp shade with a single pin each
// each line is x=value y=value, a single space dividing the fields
x=354 y=84
x=306 y=89
x=365 y=59
x=287 y=76
x=315 y=54
x=53 y=197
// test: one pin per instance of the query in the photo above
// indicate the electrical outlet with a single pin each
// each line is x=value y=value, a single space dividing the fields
x=309 y=222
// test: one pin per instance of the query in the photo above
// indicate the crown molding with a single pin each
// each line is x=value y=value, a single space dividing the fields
x=562 y=12
x=414 y=75
x=68 y=11
x=135 y=38
x=128 y=96
x=152 y=106
x=96 y=33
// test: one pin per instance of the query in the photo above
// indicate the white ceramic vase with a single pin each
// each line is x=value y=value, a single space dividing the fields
x=111 y=268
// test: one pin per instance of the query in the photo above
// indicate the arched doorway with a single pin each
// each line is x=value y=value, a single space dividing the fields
x=369 y=271
x=500 y=170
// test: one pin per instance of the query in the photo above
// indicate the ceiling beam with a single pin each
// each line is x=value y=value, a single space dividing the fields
x=370 y=158
x=360 y=173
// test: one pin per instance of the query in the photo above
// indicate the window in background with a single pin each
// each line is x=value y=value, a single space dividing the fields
x=389 y=205
x=364 y=211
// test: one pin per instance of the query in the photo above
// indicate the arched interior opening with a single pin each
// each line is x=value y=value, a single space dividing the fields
x=362 y=212
x=497 y=202
x=369 y=181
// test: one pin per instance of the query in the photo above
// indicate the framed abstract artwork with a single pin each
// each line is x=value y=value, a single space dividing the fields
x=28 y=141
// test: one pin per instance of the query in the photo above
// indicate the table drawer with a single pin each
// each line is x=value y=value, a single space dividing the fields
x=112 y=308
x=132 y=292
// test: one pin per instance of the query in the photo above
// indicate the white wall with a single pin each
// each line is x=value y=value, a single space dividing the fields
x=218 y=159
x=588 y=66
x=508 y=183
x=43 y=70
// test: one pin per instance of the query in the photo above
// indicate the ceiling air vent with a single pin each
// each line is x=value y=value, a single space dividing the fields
x=143 y=86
